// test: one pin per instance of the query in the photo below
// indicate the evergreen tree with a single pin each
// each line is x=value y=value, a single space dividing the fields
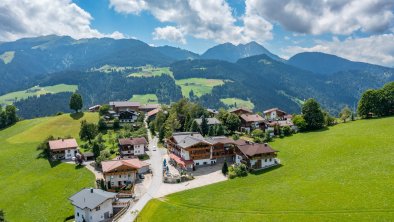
x=204 y=126
x=3 y=118
x=76 y=102
x=161 y=133
x=96 y=150
x=188 y=122
x=220 y=130
x=194 y=127
x=211 y=131
x=88 y=131
x=313 y=115
x=225 y=168
x=116 y=124
x=10 y=112
x=102 y=125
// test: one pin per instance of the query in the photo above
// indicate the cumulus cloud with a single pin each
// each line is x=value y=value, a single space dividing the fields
x=330 y=16
x=28 y=18
x=170 y=33
x=200 y=18
x=377 y=49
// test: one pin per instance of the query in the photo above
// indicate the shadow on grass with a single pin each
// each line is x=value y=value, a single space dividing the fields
x=258 y=172
x=77 y=167
x=69 y=218
x=77 y=116
x=44 y=155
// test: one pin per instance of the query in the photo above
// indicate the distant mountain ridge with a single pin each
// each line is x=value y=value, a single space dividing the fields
x=231 y=53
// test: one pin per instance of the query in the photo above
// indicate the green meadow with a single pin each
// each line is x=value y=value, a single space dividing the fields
x=9 y=98
x=150 y=71
x=32 y=189
x=200 y=86
x=144 y=99
x=236 y=102
x=344 y=173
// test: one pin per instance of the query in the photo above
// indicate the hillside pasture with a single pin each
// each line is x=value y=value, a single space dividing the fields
x=151 y=71
x=236 y=102
x=32 y=189
x=9 y=98
x=344 y=173
x=200 y=86
x=145 y=99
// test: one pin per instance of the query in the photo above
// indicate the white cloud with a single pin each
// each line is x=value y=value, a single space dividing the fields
x=170 y=33
x=376 y=49
x=28 y=18
x=330 y=16
x=201 y=19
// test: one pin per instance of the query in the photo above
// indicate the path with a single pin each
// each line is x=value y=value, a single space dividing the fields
x=157 y=178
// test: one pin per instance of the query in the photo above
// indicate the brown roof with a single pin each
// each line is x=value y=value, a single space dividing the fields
x=252 y=118
x=274 y=109
x=124 y=104
x=220 y=139
x=251 y=149
x=63 y=144
x=153 y=112
x=180 y=161
x=133 y=141
x=150 y=106
x=241 y=109
x=110 y=165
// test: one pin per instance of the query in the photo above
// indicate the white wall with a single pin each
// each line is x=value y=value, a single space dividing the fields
x=268 y=163
x=139 y=149
x=94 y=215
x=238 y=159
x=69 y=154
x=114 y=179
x=185 y=154
x=201 y=162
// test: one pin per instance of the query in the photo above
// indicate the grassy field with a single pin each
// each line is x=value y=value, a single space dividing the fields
x=200 y=86
x=145 y=99
x=235 y=102
x=7 y=57
x=32 y=190
x=150 y=71
x=344 y=173
x=9 y=98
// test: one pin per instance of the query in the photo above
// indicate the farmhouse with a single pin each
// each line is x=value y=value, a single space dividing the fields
x=132 y=146
x=119 y=106
x=118 y=173
x=92 y=205
x=63 y=148
x=94 y=108
x=211 y=121
x=212 y=112
x=190 y=149
x=274 y=114
x=129 y=116
x=240 y=111
x=152 y=114
x=251 y=121
x=255 y=155
x=148 y=107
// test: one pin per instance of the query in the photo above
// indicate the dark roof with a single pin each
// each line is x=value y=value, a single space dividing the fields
x=211 y=121
x=241 y=109
x=252 y=118
x=251 y=149
x=124 y=104
x=132 y=141
x=90 y=198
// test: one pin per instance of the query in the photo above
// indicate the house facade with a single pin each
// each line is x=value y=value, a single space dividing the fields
x=129 y=116
x=119 y=106
x=118 y=173
x=63 y=149
x=255 y=155
x=92 y=205
x=132 y=146
x=250 y=122
x=274 y=114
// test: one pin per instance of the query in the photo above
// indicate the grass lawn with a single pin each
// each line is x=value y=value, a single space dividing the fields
x=7 y=57
x=150 y=71
x=200 y=86
x=235 y=102
x=144 y=99
x=32 y=190
x=344 y=173
x=9 y=98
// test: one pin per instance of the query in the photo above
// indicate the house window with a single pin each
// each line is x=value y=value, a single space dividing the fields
x=197 y=164
x=205 y=163
x=270 y=159
x=97 y=208
x=77 y=214
x=120 y=176
x=265 y=160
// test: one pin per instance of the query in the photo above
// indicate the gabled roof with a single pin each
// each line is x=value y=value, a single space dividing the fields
x=90 y=198
x=153 y=112
x=213 y=111
x=274 y=109
x=252 y=118
x=241 y=109
x=187 y=139
x=110 y=165
x=251 y=149
x=220 y=139
x=124 y=104
x=132 y=141
x=62 y=144
x=150 y=106
x=211 y=121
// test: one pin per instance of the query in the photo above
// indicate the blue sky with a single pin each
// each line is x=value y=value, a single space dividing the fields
x=360 y=30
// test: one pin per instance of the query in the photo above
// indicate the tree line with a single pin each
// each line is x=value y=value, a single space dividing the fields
x=8 y=116
x=377 y=102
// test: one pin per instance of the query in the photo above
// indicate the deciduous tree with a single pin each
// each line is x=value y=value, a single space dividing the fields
x=76 y=102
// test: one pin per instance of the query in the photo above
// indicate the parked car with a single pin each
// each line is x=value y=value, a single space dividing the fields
x=154 y=148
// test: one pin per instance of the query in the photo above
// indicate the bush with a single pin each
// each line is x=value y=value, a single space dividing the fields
x=257 y=133
x=287 y=130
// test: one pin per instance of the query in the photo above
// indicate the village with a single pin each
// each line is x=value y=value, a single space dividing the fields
x=145 y=167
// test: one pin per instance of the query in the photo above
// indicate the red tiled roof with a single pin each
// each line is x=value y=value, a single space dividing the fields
x=251 y=149
x=133 y=141
x=110 y=165
x=153 y=112
x=241 y=109
x=63 y=144
x=180 y=160
x=252 y=118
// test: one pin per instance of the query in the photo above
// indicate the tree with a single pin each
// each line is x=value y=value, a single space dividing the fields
x=171 y=124
x=43 y=147
x=102 y=185
x=220 y=130
x=286 y=131
x=328 y=119
x=161 y=133
x=2 y=216
x=104 y=110
x=11 y=117
x=368 y=103
x=225 y=168
x=102 y=125
x=299 y=121
x=233 y=122
x=88 y=131
x=96 y=150
x=194 y=127
x=188 y=122
x=345 y=113
x=211 y=131
x=3 y=118
x=313 y=115
x=222 y=115
x=116 y=124
x=257 y=133
x=204 y=126
x=388 y=99
x=76 y=102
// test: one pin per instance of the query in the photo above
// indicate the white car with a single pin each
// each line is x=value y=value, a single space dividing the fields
x=154 y=148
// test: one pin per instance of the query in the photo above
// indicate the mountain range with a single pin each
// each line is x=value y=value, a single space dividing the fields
x=250 y=72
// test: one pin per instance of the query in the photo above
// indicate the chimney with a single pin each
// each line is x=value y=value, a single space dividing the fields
x=91 y=190
x=265 y=144
x=62 y=139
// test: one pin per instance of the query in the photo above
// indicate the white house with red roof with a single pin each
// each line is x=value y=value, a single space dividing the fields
x=274 y=114
x=118 y=173
x=255 y=155
x=63 y=149
x=132 y=146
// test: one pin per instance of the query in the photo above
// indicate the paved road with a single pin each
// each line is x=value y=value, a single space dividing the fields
x=157 y=178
